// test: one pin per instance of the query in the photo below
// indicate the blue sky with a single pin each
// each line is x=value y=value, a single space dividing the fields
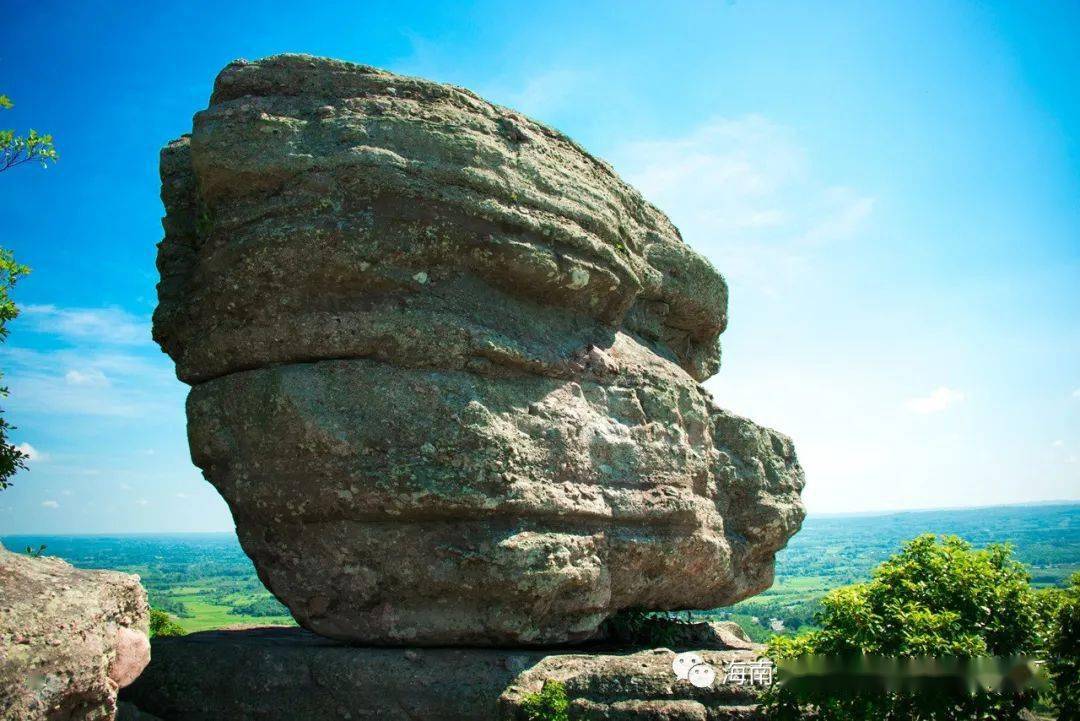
x=891 y=189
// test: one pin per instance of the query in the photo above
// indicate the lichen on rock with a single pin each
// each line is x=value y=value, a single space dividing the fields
x=446 y=366
x=69 y=638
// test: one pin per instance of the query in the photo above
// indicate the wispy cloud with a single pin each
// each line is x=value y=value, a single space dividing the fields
x=742 y=190
x=1076 y=394
x=50 y=504
x=87 y=377
x=89 y=380
x=32 y=454
x=112 y=326
x=545 y=94
x=940 y=399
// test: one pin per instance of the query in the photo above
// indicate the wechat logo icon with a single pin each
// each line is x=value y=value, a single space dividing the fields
x=691 y=667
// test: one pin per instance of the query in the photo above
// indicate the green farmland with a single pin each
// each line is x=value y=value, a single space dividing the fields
x=205 y=581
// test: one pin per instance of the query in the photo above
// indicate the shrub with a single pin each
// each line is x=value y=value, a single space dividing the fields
x=549 y=704
x=162 y=624
x=1063 y=654
x=936 y=597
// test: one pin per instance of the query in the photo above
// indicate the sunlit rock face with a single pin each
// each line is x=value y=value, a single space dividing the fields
x=445 y=367
x=70 y=638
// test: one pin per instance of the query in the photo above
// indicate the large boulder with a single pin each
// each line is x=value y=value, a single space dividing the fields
x=284 y=674
x=445 y=367
x=69 y=638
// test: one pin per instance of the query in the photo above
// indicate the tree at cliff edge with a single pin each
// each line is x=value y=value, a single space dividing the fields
x=15 y=150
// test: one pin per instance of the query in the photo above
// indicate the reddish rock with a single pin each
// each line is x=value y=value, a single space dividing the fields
x=69 y=638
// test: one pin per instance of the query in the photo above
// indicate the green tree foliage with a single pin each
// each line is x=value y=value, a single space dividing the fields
x=265 y=607
x=549 y=704
x=29 y=148
x=1063 y=652
x=15 y=150
x=936 y=597
x=11 y=458
x=162 y=624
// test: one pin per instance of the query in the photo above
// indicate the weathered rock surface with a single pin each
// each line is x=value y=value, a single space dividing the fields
x=445 y=367
x=286 y=674
x=642 y=685
x=69 y=638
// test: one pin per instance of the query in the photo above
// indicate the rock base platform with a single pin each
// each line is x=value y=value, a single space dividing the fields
x=288 y=673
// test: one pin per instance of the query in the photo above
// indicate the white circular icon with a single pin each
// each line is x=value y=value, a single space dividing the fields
x=702 y=675
x=683 y=663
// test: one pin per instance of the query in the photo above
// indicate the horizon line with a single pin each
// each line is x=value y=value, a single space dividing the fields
x=830 y=514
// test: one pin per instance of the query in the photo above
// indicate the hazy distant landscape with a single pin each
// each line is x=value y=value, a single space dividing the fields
x=206 y=581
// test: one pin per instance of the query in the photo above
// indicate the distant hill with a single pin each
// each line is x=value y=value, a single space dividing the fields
x=207 y=582
x=1045 y=536
x=836 y=550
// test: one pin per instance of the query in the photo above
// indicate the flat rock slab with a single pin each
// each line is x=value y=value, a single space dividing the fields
x=273 y=674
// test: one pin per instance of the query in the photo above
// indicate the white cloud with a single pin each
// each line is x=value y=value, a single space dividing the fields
x=940 y=399
x=1076 y=394
x=89 y=377
x=742 y=191
x=1058 y=443
x=50 y=504
x=32 y=454
x=112 y=326
x=142 y=502
x=544 y=94
x=844 y=215
x=91 y=380
x=182 y=495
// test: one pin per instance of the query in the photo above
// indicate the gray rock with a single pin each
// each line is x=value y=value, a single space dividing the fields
x=642 y=685
x=283 y=674
x=445 y=367
x=69 y=638
x=287 y=673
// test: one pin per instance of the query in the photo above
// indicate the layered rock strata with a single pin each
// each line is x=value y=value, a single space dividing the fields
x=446 y=366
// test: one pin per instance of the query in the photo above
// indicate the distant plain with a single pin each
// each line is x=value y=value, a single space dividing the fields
x=206 y=581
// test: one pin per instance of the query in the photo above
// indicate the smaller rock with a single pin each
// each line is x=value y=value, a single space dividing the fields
x=69 y=638
x=640 y=686
x=132 y=655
